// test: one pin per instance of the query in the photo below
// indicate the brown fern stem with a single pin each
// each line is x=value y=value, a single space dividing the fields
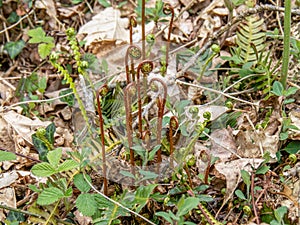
x=100 y=93
x=168 y=9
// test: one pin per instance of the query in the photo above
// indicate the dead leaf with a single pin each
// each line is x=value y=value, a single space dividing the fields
x=107 y=25
x=7 y=197
x=295 y=118
x=23 y=125
x=6 y=179
x=49 y=6
x=232 y=169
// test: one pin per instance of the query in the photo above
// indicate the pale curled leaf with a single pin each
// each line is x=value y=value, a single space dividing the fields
x=107 y=25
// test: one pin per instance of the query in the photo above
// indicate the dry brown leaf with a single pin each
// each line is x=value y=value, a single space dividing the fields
x=49 y=6
x=23 y=125
x=7 y=197
x=295 y=118
x=6 y=179
x=107 y=25
x=232 y=171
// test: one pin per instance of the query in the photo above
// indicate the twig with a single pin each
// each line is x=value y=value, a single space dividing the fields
x=216 y=91
x=19 y=210
x=15 y=24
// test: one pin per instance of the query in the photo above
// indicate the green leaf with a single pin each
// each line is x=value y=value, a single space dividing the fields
x=70 y=100
x=50 y=130
x=283 y=136
x=280 y=212
x=43 y=169
x=6 y=156
x=240 y=194
x=291 y=91
x=277 y=88
x=38 y=35
x=14 y=48
x=262 y=169
x=42 y=84
x=49 y=196
x=81 y=183
x=293 y=147
x=188 y=204
x=40 y=147
x=104 y=3
x=54 y=157
x=246 y=177
x=69 y=192
x=147 y=175
x=86 y=204
x=127 y=174
x=67 y=165
x=166 y=216
x=142 y=195
x=44 y=49
x=152 y=153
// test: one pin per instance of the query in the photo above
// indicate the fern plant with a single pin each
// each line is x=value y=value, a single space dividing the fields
x=251 y=38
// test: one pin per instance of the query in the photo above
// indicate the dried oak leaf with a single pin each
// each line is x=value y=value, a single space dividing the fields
x=107 y=25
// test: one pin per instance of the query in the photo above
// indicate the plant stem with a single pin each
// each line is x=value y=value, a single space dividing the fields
x=168 y=9
x=134 y=52
x=132 y=24
x=161 y=105
x=101 y=92
x=127 y=93
x=173 y=125
x=143 y=30
x=286 y=42
x=145 y=67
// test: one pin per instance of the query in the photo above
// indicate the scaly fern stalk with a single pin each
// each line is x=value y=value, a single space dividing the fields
x=168 y=9
x=100 y=93
x=286 y=42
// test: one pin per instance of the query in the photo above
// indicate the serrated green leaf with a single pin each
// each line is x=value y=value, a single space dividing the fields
x=49 y=196
x=6 y=156
x=44 y=49
x=14 y=48
x=43 y=169
x=54 y=157
x=188 y=204
x=67 y=165
x=81 y=183
x=240 y=194
x=86 y=204
x=69 y=192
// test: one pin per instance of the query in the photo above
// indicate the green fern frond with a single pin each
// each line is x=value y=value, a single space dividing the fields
x=250 y=32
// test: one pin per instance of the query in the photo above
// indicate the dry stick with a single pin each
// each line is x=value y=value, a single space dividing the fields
x=145 y=67
x=101 y=92
x=127 y=93
x=161 y=105
x=172 y=126
x=216 y=91
x=253 y=201
x=217 y=35
x=168 y=9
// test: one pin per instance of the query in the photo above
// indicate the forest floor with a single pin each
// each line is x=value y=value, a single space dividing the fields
x=218 y=141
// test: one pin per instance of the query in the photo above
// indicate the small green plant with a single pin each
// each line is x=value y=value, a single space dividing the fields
x=45 y=43
x=14 y=48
